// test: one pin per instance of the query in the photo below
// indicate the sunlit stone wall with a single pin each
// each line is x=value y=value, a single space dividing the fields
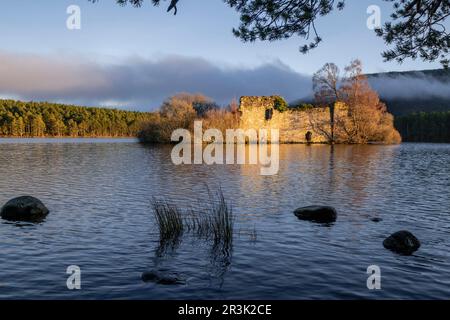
x=292 y=124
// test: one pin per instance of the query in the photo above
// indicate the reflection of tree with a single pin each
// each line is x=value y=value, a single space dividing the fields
x=352 y=170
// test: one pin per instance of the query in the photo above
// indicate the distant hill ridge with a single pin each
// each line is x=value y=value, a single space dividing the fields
x=413 y=91
x=406 y=92
x=439 y=74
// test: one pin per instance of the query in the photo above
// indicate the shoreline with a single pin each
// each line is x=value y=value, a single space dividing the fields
x=174 y=143
x=69 y=137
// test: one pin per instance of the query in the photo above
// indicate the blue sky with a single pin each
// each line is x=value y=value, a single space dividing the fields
x=199 y=36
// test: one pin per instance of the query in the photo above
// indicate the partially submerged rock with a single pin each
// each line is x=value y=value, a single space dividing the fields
x=24 y=208
x=160 y=277
x=322 y=214
x=376 y=219
x=403 y=242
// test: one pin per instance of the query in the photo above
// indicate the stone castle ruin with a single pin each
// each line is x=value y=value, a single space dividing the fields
x=294 y=125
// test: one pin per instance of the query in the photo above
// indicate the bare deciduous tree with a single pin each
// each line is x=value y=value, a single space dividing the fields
x=326 y=92
x=360 y=117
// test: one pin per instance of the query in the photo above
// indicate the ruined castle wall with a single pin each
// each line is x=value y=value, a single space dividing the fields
x=293 y=125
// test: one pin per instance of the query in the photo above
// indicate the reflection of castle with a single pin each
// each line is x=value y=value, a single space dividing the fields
x=296 y=126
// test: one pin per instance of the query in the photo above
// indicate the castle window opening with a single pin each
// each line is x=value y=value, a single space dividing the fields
x=269 y=114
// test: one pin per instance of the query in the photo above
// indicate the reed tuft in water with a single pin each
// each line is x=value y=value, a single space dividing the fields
x=222 y=221
x=212 y=220
x=169 y=219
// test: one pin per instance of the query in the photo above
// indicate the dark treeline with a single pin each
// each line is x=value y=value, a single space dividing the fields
x=424 y=127
x=43 y=119
x=402 y=107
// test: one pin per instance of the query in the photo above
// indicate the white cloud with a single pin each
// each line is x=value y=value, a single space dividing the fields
x=141 y=83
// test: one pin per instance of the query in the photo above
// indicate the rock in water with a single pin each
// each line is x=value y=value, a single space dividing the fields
x=162 y=278
x=403 y=242
x=321 y=214
x=24 y=208
x=376 y=219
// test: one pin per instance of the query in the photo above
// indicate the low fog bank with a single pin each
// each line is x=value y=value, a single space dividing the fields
x=142 y=84
x=412 y=85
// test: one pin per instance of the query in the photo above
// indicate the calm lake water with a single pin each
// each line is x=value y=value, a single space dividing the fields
x=99 y=194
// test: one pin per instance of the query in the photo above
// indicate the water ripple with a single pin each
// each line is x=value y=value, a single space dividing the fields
x=99 y=193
